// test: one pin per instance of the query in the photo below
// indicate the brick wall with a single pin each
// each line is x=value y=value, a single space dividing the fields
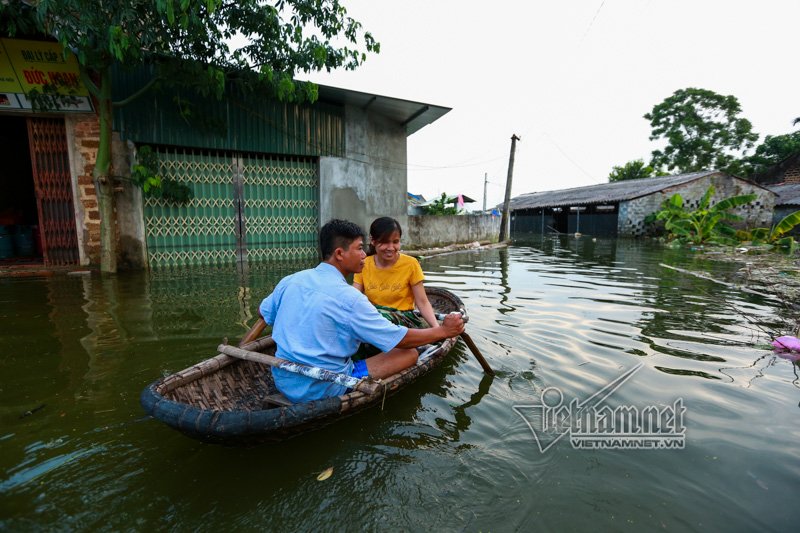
x=792 y=174
x=84 y=137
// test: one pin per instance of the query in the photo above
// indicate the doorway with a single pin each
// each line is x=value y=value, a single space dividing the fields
x=19 y=216
x=37 y=213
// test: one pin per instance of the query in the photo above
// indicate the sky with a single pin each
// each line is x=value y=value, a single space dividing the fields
x=573 y=79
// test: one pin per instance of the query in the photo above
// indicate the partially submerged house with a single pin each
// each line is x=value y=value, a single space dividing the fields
x=785 y=171
x=620 y=208
x=264 y=175
x=415 y=203
x=783 y=179
x=787 y=199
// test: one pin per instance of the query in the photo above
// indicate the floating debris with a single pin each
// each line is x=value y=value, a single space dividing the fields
x=325 y=474
x=34 y=410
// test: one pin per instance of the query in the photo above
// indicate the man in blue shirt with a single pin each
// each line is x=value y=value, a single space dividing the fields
x=319 y=319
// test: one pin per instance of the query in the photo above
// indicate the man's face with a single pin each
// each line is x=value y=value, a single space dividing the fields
x=353 y=256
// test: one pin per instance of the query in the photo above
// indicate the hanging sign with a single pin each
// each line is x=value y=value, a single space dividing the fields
x=40 y=66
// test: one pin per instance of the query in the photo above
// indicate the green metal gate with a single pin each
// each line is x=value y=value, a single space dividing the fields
x=281 y=207
x=245 y=207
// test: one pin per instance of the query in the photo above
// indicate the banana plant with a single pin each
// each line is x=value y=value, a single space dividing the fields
x=776 y=235
x=707 y=223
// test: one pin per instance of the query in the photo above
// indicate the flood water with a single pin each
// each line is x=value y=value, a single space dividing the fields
x=450 y=452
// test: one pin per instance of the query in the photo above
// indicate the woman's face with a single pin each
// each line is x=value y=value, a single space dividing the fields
x=388 y=248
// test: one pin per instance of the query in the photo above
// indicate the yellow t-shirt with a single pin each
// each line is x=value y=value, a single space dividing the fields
x=390 y=287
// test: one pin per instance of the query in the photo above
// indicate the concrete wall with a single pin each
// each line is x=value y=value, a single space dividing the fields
x=370 y=181
x=756 y=214
x=427 y=231
x=131 y=248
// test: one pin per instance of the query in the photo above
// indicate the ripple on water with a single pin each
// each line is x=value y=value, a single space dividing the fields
x=449 y=452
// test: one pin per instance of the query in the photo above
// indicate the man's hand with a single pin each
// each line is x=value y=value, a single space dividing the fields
x=453 y=324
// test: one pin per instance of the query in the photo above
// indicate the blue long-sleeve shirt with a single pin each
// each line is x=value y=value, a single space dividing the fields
x=319 y=320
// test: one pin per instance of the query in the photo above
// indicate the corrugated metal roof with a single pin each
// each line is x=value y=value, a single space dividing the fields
x=415 y=199
x=607 y=193
x=250 y=122
x=412 y=115
x=788 y=193
x=241 y=121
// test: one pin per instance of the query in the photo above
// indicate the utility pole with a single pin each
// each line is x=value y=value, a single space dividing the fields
x=485 y=181
x=505 y=222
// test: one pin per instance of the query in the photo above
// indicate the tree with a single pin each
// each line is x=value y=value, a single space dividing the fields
x=702 y=130
x=632 y=170
x=772 y=151
x=203 y=44
x=440 y=207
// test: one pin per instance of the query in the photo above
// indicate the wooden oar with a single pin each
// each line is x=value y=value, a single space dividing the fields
x=254 y=332
x=477 y=353
x=468 y=341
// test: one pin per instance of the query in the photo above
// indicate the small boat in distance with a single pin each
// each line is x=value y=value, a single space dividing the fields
x=233 y=401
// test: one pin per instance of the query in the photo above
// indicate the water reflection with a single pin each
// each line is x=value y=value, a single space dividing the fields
x=554 y=312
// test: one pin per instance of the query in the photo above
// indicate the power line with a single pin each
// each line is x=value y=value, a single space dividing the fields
x=589 y=27
x=373 y=159
x=570 y=159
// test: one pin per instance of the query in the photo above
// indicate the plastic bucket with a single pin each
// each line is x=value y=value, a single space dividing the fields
x=6 y=243
x=23 y=241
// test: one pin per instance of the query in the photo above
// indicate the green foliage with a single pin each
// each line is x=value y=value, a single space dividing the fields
x=702 y=130
x=775 y=235
x=440 y=207
x=632 y=170
x=772 y=151
x=707 y=223
x=284 y=39
x=144 y=173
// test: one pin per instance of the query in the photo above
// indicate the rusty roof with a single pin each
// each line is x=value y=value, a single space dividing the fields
x=608 y=193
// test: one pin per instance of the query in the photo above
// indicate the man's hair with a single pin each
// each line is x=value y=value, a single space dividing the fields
x=337 y=234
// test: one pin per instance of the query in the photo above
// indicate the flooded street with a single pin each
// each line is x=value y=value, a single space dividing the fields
x=450 y=452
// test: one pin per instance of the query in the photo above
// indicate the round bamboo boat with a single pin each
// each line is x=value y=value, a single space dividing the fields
x=232 y=401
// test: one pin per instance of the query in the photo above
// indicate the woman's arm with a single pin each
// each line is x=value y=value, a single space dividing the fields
x=358 y=286
x=424 y=306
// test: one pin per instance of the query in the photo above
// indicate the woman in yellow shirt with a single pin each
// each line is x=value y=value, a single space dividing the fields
x=391 y=279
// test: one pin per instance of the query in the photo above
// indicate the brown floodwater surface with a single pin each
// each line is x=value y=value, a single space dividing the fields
x=455 y=451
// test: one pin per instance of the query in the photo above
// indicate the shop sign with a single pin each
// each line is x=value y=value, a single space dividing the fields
x=39 y=66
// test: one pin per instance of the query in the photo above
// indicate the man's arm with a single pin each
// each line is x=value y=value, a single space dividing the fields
x=452 y=326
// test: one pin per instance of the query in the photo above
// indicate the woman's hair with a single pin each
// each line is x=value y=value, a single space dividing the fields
x=381 y=229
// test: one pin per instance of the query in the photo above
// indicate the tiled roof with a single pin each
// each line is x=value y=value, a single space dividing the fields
x=605 y=193
x=788 y=193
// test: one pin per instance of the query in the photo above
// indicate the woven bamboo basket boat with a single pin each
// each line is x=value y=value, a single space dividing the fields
x=232 y=401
